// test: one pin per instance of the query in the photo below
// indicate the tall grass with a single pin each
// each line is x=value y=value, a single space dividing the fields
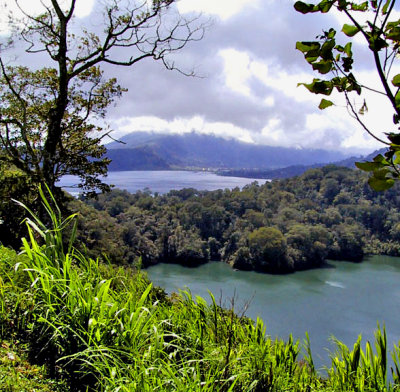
x=104 y=328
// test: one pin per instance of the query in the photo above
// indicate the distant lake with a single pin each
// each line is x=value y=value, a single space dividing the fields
x=164 y=181
x=343 y=300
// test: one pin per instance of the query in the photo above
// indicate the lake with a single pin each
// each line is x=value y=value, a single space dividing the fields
x=164 y=181
x=342 y=300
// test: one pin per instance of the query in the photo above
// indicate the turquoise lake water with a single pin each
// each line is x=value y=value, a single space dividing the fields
x=342 y=300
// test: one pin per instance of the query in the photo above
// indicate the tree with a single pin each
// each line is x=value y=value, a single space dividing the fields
x=381 y=35
x=48 y=116
x=268 y=249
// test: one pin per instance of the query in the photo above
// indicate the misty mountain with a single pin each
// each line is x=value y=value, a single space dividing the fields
x=296 y=170
x=153 y=151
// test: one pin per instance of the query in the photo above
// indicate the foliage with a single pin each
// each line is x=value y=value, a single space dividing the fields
x=103 y=328
x=326 y=213
x=267 y=248
x=375 y=22
x=49 y=117
x=18 y=374
x=15 y=184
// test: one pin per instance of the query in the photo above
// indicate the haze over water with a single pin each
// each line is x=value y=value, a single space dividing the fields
x=164 y=181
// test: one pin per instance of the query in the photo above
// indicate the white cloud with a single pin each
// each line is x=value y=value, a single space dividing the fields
x=223 y=9
x=181 y=125
x=35 y=7
x=237 y=72
x=239 y=69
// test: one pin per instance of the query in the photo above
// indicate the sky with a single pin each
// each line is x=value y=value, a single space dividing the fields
x=246 y=86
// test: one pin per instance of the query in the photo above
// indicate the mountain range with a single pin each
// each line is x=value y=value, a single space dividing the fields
x=295 y=170
x=155 y=151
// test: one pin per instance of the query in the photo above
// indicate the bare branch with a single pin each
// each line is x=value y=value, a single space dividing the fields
x=356 y=116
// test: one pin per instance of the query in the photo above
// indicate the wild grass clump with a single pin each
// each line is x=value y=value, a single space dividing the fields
x=103 y=328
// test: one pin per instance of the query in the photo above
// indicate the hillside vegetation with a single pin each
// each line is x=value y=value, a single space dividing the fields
x=106 y=328
x=282 y=226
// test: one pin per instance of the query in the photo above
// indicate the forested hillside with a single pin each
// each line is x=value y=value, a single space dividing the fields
x=282 y=226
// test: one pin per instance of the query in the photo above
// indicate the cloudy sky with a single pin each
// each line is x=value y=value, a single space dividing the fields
x=248 y=70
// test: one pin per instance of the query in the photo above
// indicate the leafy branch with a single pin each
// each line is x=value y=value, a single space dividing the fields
x=382 y=37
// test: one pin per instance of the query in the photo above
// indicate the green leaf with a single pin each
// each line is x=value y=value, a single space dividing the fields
x=396 y=80
x=368 y=166
x=339 y=48
x=347 y=64
x=307 y=46
x=393 y=34
x=326 y=49
x=304 y=8
x=394 y=138
x=325 y=5
x=319 y=86
x=385 y=7
x=360 y=7
x=396 y=160
x=331 y=33
x=325 y=104
x=391 y=25
x=350 y=30
x=347 y=49
x=381 y=159
x=397 y=99
x=379 y=185
x=352 y=84
x=377 y=43
x=323 y=67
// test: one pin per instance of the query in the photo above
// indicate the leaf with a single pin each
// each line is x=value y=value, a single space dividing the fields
x=325 y=5
x=364 y=108
x=381 y=159
x=394 y=138
x=393 y=34
x=307 y=46
x=325 y=104
x=397 y=99
x=379 y=185
x=350 y=30
x=368 y=166
x=360 y=7
x=377 y=43
x=385 y=7
x=304 y=8
x=396 y=160
x=326 y=49
x=319 y=86
x=396 y=81
x=331 y=33
x=347 y=49
x=323 y=67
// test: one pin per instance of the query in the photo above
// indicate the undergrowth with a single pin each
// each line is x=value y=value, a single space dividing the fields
x=104 y=328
